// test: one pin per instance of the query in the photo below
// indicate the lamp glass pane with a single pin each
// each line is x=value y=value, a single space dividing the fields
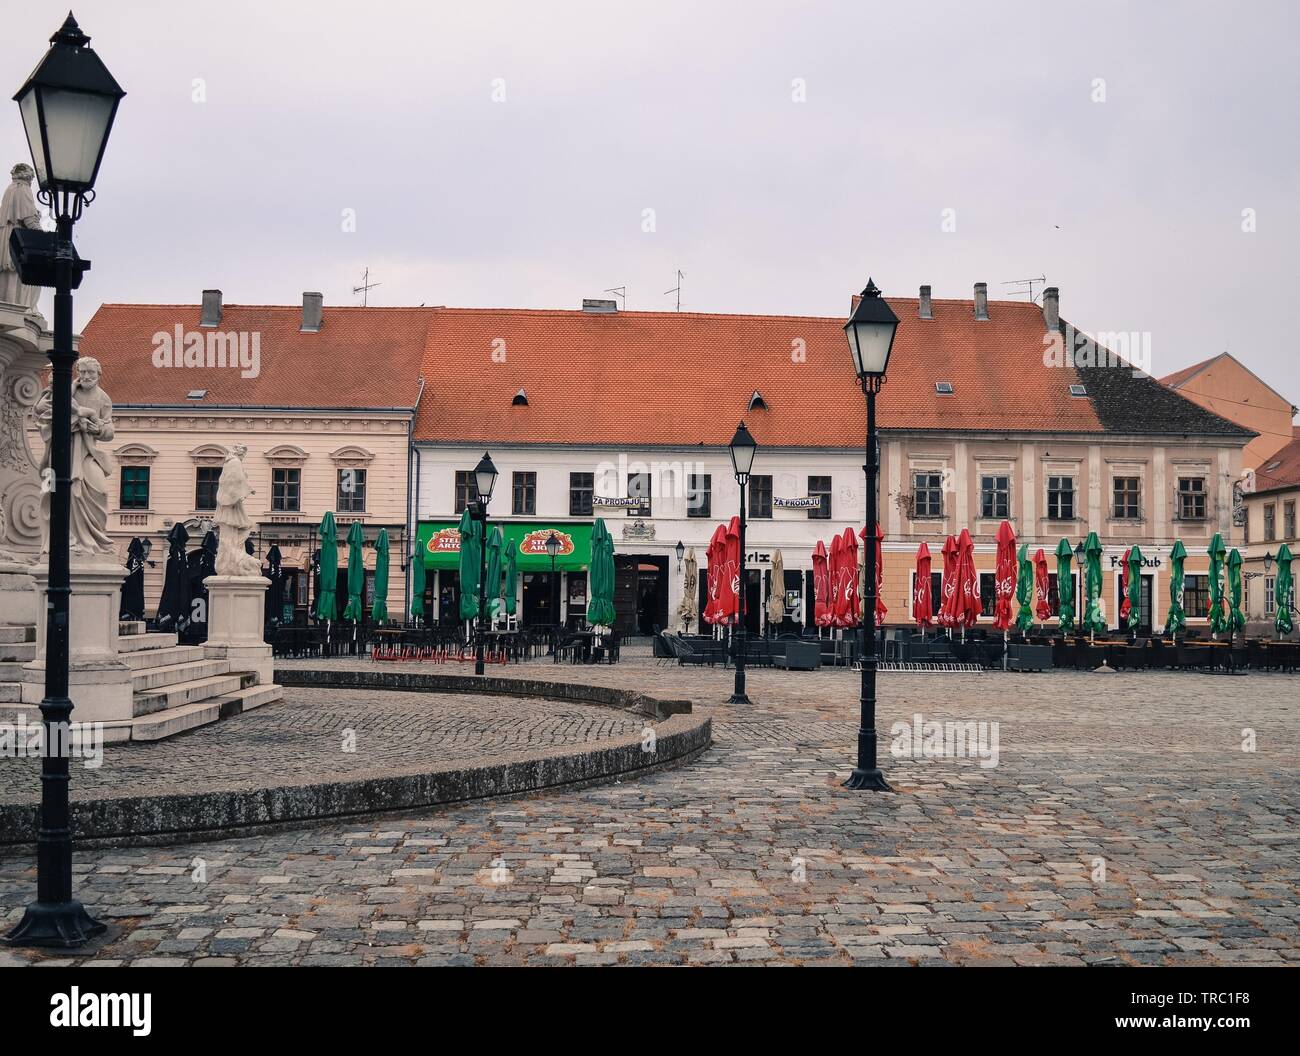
x=76 y=124
x=32 y=125
x=869 y=343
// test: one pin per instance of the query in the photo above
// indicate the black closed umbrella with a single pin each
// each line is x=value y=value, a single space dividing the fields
x=200 y=564
x=174 y=605
x=131 y=606
x=275 y=592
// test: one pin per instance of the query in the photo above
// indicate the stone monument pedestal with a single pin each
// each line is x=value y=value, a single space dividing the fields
x=236 y=614
x=99 y=683
x=17 y=598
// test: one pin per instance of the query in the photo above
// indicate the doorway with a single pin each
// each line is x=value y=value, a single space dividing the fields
x=541 y=599
x=640 y=594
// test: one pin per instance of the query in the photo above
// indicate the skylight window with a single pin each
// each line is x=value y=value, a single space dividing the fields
x=1273 y=465
x=1078 y=390
x=196 y=394
x=943 y=388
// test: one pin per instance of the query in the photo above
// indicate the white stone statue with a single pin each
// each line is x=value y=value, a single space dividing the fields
x=92 y=422
x=17 y=209
x=232 y=490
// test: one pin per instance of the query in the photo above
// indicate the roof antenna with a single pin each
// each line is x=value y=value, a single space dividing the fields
x=1025 y=284
x=677 y=289
x=365 y=287
x=619 y=291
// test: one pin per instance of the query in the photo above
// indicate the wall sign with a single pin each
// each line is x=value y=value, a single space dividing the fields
x=811 y=503
x=618 y=502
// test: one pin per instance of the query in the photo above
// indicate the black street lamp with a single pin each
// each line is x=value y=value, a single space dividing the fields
x=681 y=553
x=552 y=550
x=743 y=447
x=67 y=105
x=870 y=331
x=485 y=479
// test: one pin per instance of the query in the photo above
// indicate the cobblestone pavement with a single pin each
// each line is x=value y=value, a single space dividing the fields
x=1123 y=824
x=316 y=735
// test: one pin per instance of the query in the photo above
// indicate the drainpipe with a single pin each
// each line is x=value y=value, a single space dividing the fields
x=412 y=512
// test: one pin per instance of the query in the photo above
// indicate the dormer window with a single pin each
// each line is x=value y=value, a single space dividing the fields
x=520 y=400
x=943 y=388
x=1078 y=390
x=756 y=401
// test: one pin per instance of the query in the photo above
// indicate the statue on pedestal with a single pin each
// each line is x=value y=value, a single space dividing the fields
x=17 y=209
x=92 y=422
x=232 y=490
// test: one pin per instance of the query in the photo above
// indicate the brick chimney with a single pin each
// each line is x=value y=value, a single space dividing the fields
x=311 y=313
x=210 y=313
x=1052 y=308
x=926 y=310
x=982 y=300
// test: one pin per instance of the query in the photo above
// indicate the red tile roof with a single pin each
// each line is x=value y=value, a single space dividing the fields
x=1285 y=471
x=670 y=377
x=361 y=358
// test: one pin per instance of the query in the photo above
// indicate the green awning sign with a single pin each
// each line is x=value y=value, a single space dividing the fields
x=439 y=542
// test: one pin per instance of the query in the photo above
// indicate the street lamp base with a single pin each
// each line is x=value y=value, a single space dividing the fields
x=62 y=924
x=868 y=780
x=738 y=698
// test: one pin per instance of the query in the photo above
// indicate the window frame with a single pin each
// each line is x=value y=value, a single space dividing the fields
x=358 y=489
x=1057 y=496
x=280 y=499
x=200 y=483
x=1186 y=492
x=990 y=509
x=141 y=477
x=757 y=494
x=1118 y=514
x=646 y=509
x=826 y=491
x=523 y=493
x=933 y=489
x=694 y=491
x=464 y=492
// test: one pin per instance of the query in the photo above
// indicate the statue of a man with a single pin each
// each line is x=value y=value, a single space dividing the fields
x=17 y=209
x=92 y=423
x=232 y=490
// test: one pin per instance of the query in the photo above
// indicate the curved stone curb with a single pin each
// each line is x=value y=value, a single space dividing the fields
x=679 y=737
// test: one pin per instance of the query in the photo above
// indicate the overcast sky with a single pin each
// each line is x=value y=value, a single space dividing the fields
x=506 y=153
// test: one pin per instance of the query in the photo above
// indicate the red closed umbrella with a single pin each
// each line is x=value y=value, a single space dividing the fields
x=1042 y=606
x=836 y=573
x=822 y=609
x=921 y=601
x=968 y=584
x=1004 y=576
x=848 y=606
x=947 y=616
x=881 y=611
x=716 y=555
x=1125 y=606
x=729 y=589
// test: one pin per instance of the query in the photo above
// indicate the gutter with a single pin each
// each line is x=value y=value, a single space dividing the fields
x=412 y=501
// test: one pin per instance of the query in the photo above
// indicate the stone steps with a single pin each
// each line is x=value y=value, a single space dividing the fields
x=167 y=656
x=20 y=652
x=13 y=633
x=152 y=640
x=189 y=716
x=129 y=628
x=163 y=676
x=178 y=695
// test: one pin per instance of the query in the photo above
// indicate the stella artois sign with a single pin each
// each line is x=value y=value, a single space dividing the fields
x=535 y=543
x=446 y=541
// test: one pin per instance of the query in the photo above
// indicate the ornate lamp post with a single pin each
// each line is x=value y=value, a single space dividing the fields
x=552 y=550
x=743 y=447
x=67 y=105
x=485 y=479
x=681 y=553
x=870 y=332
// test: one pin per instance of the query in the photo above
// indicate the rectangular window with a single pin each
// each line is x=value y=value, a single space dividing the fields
x=581 y=488
x=1191 y=498
x=524 y=493
x=1127 y=492
x=1270 y=595
x=1270 y=522
x=699 y=495
x=928 y=488
x=1054 y=593
x=995 y=496
x=352 y=491
x=135 y=487
x=988 y=593
x=1060 y=498
x=1196 y=596
x=936 y=592
x=1288 y=520
x=286 y=490
x=820 y=488
x=206 y=479
x=465 y=490
x=638 y=487
x=760 y=496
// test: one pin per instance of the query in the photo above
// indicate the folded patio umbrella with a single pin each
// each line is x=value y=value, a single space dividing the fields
x=201 y=564
x=1024 y=590
x=947 y=615
x=716 y=555
x=600 y=606
x=922 y=603
x=275 y=591
x=1094 y=614
x=836 y=572
x=1064 y=586
x=1218 y=615
x=881 y=611
x=471 y=539
x=823 y=612
x=776 y=591
x=354 y=610
x=326 y=604
x=174 y=604
x=1236 y=618
x=850 y=603
x=1041 y=587
x=417 y=583
x=512 y=580
x=1004 y=576
x=131 y=605
x=492 y=591
x=729 y=590
x=379 y=608
x=1283 y=588
x=690 y=589
x=1175 y=618
x=968 y=581
x=1133 y=587
x=1125 y=604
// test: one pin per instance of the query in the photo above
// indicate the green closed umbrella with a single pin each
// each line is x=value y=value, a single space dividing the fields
x=356 y=575
x=1093 y=618
x=417 y=582
x=512 y=580
x=1236 y=618
x=1283 y=587
x=1176 y=618
x=1218 y=619
x=1025 y=590
x=495 y=542
x=1064 y=586
x=600 y=604
x=471 y=538
x=379 y=610
x=326 y=604
x=1134 y=588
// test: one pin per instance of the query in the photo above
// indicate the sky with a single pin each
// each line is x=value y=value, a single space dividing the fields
x=1144 y=158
